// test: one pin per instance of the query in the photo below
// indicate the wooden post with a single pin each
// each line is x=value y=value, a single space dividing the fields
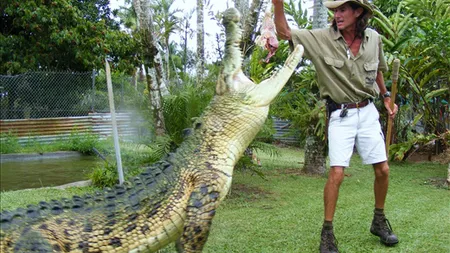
x=114 y=122
x=395 y=70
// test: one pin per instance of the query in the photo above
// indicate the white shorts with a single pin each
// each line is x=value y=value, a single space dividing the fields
x=360 y=127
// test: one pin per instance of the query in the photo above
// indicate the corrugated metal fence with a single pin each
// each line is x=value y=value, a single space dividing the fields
x=130 y=127
x=283 y=132
x=47 y=130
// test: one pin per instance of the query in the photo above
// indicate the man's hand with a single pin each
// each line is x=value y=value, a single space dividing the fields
x=391 y=111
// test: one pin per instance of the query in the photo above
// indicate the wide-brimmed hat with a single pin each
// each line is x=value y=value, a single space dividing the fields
x=333 y=4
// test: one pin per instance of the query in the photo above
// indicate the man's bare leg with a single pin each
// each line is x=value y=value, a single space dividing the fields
x=331 y=191
x=330 y=196
x=380 y=225
x=381 y=183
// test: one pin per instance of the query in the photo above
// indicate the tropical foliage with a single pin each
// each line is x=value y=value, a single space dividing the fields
x=58 y=35
x=183 y=105
x=420 y=40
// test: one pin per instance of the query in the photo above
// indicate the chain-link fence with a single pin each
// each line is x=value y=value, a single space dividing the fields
x=60 y=94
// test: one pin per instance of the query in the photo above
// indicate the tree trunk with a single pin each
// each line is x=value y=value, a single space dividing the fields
x=200 y=42
x=315 y=155
x=249 y=22
x=320 y=15
x=134 y=78
x=185 y=40
x=315 y=158
x=152 y=63
x=167 y=60
x=156 y=101
x=141 y=73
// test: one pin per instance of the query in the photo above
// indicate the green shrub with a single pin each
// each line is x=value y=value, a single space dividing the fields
x=9 y=143
x=107 y=175
x=104 y=176
x=134 y=157
x=83 y=143
x=34 y=146
x=401 y=151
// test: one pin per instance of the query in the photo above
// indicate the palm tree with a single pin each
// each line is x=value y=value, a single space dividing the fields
x=167 y=23
x=200 y=41
x=187 y=33
x=153 y=67
x=129 y=20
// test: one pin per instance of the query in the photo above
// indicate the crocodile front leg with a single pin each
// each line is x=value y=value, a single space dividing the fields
x=200 y=211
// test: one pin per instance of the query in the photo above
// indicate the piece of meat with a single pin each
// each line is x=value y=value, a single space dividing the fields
x=268 y=37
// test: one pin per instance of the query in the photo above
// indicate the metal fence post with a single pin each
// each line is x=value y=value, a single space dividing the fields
x=113 y=121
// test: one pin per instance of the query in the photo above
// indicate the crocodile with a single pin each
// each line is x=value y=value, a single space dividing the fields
x=173 y=200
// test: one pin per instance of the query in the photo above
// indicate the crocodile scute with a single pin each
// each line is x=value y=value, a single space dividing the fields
x=174 y=200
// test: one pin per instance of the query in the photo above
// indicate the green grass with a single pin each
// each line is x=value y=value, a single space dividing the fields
x=284 y=211
x=288 y=216
x=13 y=199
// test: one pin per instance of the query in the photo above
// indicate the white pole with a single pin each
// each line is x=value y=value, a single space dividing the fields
x=113 y=120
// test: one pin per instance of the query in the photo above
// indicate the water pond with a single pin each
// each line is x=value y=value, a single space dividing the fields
x=38 y=172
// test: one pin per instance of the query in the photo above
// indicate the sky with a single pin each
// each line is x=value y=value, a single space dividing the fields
x=211 y=27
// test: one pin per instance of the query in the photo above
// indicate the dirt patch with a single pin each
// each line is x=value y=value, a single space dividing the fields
x=290 y=171
x=249 y=193
x=443 y=158
x=427 y=156
x=297 y=172
x=437 y=182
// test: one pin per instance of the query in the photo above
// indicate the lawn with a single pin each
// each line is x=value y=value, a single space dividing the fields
x=284 y=211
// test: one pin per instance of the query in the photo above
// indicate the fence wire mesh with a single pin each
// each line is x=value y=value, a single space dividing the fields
x=59 y=94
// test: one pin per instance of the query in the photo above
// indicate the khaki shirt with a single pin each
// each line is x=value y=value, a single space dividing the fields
x=343 y=77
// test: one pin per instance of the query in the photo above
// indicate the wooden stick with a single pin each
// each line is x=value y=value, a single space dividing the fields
x=395 y=70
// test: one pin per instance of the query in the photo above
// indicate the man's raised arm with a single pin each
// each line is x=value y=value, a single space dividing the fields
x=283 y=30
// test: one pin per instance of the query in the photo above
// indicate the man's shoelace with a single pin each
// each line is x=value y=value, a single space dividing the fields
x=331 y=241
x=385 y=225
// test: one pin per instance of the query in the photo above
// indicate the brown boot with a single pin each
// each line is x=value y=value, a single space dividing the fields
x=328 y=243
x=382 y=228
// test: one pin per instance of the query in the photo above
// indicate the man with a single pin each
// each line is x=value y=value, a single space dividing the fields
x=349 y=61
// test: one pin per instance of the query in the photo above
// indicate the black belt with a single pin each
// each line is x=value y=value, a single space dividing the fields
x=333 y=106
